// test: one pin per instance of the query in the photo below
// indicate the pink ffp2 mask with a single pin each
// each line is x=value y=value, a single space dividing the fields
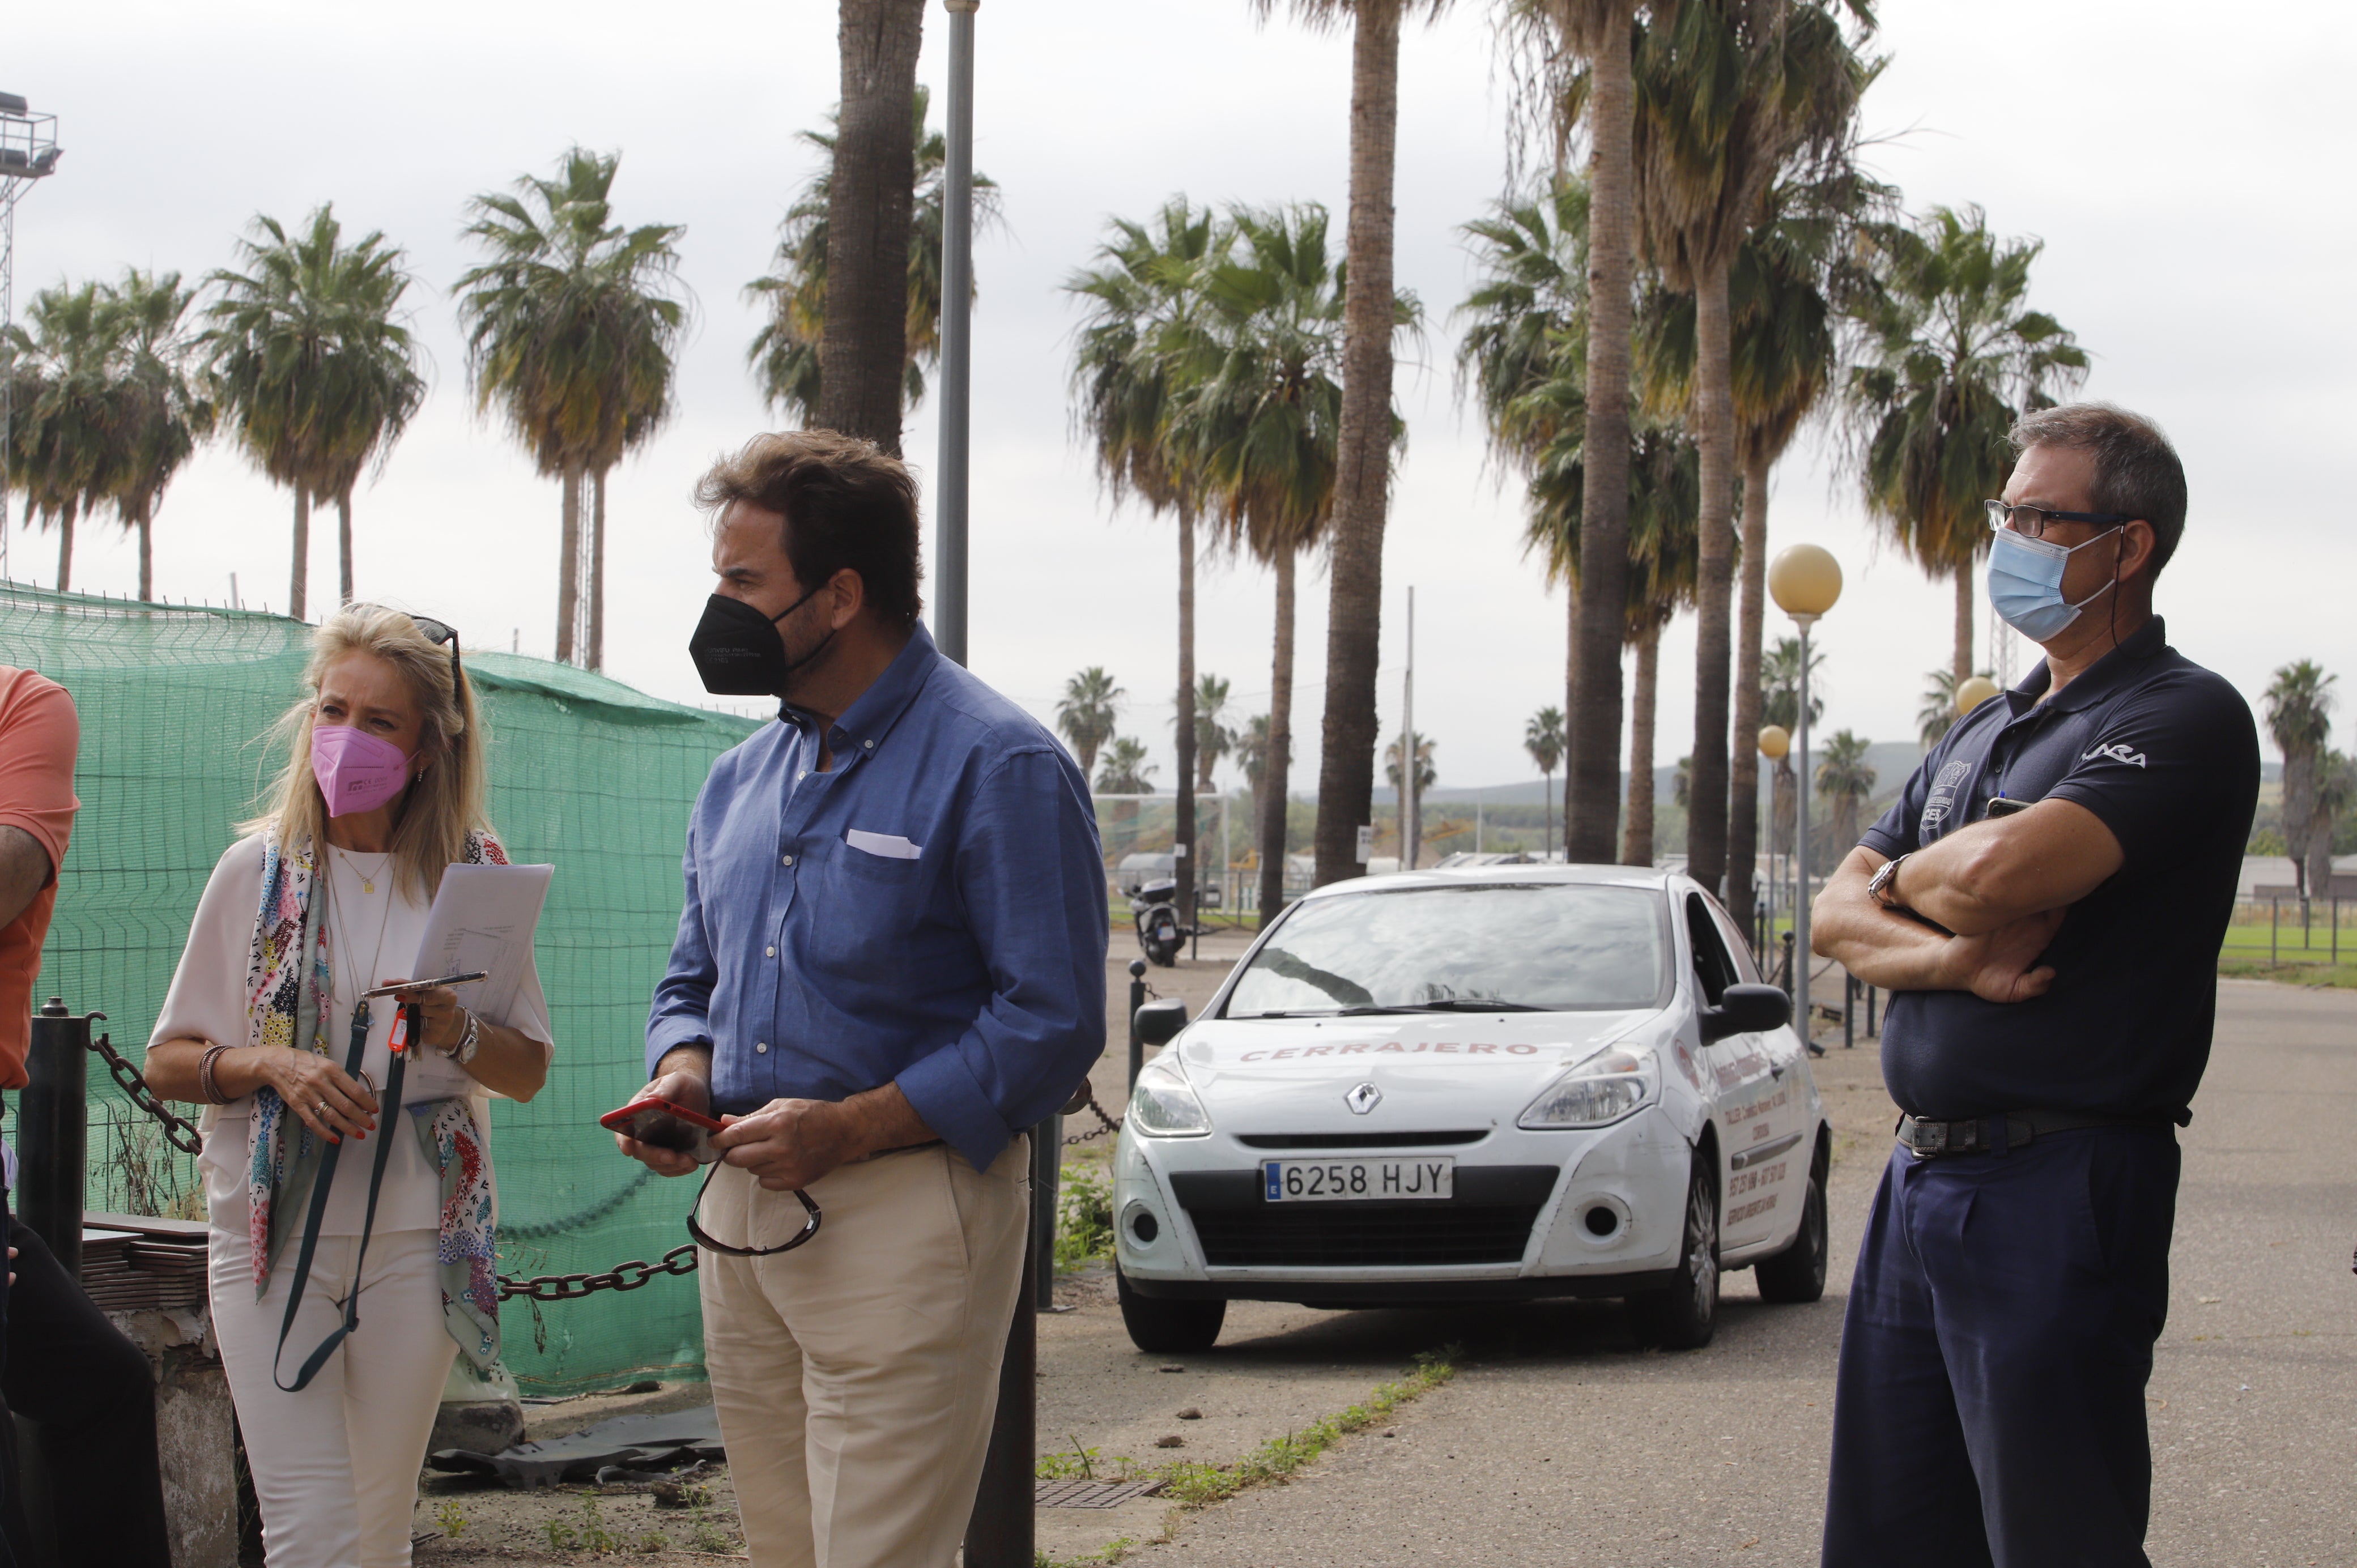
x=357 y=772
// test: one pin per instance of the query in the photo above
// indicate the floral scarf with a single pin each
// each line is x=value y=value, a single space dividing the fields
x=288 y=976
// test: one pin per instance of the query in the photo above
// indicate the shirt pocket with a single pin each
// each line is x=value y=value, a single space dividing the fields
x=879 y=870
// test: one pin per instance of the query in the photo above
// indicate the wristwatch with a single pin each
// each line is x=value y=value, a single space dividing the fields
x=1884 y=887
x=468 y=1044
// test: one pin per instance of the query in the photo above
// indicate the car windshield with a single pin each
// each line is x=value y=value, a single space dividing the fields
x=1527 y=946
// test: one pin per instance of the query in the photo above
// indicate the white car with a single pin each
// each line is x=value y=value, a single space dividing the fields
x=1495 y=1083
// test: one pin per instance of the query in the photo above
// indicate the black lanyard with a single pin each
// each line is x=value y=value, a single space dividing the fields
x=408 y=1030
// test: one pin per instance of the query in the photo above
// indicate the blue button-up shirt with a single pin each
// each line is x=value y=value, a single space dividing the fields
x=930 y=912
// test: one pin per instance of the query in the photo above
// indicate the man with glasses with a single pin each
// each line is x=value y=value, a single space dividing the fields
x=890 y=963
x=2045 y=903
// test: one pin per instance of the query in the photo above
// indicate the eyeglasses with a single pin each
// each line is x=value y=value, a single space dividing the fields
x=437 y=632
x=2032 y=521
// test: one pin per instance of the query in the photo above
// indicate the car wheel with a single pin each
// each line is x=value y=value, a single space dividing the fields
x=1684 y=1316
x=1167 y=1327
x=1797 y=1274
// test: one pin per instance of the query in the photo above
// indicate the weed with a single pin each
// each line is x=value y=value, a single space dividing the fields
x=451 y=1518
x=703 y=1535
x=560 y=1535
x=1112 y=1552
x=1193 y=1486
x=654 y=1540
x=595 y=1536
x=1085 y=1216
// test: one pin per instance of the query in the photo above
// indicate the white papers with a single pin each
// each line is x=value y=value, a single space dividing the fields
x=483 y=918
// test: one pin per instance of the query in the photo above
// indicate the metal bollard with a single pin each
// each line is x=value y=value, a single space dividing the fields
x=1849 y=1011
x=1000 y=1531
x=2275 y=919
x=1047 y=1172
x=1788 y=978
x=52 y=1143
x=1872 y=1033
x=1137 y=1000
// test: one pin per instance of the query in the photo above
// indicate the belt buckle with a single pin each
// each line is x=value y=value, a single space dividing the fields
x=1929 y=1137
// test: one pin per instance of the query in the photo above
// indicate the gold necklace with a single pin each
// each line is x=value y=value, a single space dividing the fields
x=368 y=878
x=335 y=918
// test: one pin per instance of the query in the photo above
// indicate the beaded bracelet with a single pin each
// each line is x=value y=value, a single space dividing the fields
x=205 y=1084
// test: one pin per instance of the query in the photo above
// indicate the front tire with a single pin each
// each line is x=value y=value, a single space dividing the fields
x=1685 y=1316
x=1796 y=1275
x=1167 y=1327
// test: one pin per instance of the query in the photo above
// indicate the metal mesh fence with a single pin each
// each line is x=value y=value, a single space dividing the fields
x=586 y=774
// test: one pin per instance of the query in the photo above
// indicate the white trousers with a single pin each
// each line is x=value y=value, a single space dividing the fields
x=334 y=1468
x=856 y=1376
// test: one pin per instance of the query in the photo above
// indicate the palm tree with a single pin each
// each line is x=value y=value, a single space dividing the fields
x=1087 y=713
x=1587 y=51
x=308 y=367
x=2336 y=792
x=1730 y=95
x=571 y=325
x=1369 y=426
x=1125 y=769
x=1938 y=714
x=1410 y=849
x=1845 y=783
x=1140 y=330
x=60 y=392
x=157 y=414
x=784 y=354
x=865 y=341
x=1542 y=738
x=1779 y=704
x=1951 y=357
x=2298 y=709
x=1213 y=740
x=1252 y=751
x=1258 y=406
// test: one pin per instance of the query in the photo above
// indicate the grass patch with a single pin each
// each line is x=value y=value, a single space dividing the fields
x=1191 y=1485
x=2342 y=975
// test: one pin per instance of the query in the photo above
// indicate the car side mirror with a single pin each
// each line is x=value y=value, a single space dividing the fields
x=1159 y=1021
x=1746 y=1010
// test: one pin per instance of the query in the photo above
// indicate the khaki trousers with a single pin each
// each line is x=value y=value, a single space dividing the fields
x=856 y=1376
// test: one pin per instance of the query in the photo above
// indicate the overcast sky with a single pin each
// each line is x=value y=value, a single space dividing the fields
x=2176 y=170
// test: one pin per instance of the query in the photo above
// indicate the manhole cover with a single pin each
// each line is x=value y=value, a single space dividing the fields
x=1090 y=1494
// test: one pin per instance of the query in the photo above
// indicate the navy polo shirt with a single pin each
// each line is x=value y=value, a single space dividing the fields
x=2165 y=753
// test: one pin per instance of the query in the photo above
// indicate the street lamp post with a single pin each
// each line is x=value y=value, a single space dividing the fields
x=1805 y=581
x=1775 y=741
x=28 y=151
x=957 y=308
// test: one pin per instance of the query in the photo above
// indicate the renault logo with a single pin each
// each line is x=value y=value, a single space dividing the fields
x=1362 y=1099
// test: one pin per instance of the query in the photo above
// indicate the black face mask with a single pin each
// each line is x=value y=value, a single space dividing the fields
x=738 y=650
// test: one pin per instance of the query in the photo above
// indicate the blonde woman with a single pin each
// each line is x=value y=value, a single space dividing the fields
x=327 y=897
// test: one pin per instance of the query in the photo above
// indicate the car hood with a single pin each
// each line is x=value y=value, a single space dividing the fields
x=1432 y=1071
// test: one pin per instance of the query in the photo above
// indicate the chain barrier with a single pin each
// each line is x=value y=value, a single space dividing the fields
x=680 y=1260
x=1106 y=1124
x=182 y=1135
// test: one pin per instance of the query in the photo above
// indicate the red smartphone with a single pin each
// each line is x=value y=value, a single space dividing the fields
x=666 y=1126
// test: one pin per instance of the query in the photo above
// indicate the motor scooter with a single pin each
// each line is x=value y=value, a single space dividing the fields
x=1154 y=907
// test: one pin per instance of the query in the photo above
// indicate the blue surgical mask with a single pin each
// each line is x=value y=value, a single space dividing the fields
x=2025 y=585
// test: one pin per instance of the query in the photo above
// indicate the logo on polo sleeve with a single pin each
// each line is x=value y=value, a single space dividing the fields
x=1942 y=800
x=2117 y=752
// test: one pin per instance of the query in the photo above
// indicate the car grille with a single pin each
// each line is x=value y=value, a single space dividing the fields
x=1328 y=1235
x=1361 y=1140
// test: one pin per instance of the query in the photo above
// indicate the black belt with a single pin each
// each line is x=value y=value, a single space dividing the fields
x=1996 y=1134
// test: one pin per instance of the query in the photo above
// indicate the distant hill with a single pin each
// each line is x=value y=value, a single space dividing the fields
x=1892 y=761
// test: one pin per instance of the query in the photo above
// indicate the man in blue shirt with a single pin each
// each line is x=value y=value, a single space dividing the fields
x=890 y=963
x=2045 y=902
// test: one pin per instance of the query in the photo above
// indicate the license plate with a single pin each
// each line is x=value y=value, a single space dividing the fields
x=1343 y=1181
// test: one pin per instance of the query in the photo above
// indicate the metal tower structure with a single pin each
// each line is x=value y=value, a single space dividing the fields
x=28 y=151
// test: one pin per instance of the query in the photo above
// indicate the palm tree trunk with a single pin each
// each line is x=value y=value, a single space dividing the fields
x=1743 y=772
x=344 y=542
x=1278 y=761
x=1962 y=664
x=1346 y=767
x=569 y=562
x=1184 y=830
x=1570 y=682
x=1637 y=849
x=1592 y=777
x=299 y=595
x=864 y=344
x=65 y=546
x=1714 y=577
x=597 y=570
x=1547 y=814
x=145 y=523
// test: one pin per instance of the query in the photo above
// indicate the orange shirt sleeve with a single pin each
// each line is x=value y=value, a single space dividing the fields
x=39 y=734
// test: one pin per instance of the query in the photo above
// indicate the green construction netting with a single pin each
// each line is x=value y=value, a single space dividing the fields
x=587 y=775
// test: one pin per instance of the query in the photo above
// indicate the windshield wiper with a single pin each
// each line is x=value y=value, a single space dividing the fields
x=1469 y=1005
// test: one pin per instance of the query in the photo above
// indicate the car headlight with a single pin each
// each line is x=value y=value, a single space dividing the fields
x=1603 y=1089
x=1163 y=1105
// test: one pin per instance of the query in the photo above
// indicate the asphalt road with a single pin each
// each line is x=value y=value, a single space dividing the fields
x=1559 y=1442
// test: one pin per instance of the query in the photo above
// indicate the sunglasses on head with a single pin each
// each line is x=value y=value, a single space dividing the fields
x=437 y=632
